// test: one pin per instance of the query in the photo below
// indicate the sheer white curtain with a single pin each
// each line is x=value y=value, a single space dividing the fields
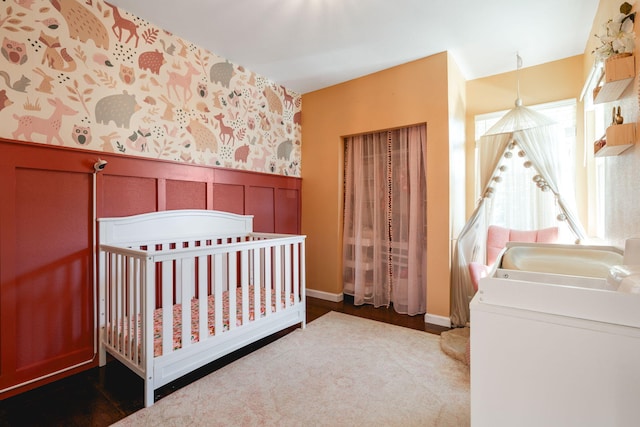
x=548 y=164
x=467 y=247
x=384 y=236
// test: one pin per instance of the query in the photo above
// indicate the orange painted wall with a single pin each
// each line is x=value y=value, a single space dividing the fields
x=416 y=92
x=548 y=82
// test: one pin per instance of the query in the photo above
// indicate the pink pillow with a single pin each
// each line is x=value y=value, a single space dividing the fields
x=523 y=236
x=477 y=272
x=547 y=235
x=497 y=238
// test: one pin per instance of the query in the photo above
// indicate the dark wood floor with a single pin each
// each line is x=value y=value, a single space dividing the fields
x=102 y=396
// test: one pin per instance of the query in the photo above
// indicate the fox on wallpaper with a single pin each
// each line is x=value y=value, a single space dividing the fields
x=87 y=74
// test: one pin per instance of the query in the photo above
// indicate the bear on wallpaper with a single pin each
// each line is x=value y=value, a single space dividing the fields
x=86 y=74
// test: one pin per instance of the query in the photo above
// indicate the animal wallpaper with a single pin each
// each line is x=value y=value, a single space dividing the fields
x=84 y=74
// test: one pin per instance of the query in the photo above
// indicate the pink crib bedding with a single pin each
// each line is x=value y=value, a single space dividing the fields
x=195 y=308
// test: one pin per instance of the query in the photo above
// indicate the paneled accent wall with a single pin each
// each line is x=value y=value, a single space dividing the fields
x=47 y=294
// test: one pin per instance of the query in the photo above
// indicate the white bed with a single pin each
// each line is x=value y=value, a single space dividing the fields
x=553 y=342
x=150 y=264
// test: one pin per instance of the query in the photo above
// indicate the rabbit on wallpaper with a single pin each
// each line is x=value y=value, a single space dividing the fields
x=45 y=85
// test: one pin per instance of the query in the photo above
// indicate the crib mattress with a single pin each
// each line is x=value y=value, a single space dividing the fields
x=195 y=309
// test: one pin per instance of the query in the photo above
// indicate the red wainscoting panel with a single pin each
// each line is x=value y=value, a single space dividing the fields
x=229 y=198
x=127 y=195
x=53 y=283
x=47 y=292
x=261 y=204
x=185 y=195
x=287 y=215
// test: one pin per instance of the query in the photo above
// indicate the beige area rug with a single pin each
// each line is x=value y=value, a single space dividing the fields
x=455 y=343
x=340 y=370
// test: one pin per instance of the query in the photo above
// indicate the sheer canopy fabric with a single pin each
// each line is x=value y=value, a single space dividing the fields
x=384 y=234
x=539 y=145
x=518 y=119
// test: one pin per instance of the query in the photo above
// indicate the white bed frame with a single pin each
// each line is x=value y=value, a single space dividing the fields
x=189 y=253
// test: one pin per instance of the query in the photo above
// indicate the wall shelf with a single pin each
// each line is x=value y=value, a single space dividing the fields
x=618 y=74
x=618 y=139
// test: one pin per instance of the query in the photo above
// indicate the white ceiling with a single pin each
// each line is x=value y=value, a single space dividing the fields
x=307 y=45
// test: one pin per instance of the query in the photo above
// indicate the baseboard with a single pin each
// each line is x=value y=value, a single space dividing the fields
x=324 y=295
x=437 y=320
x=428 y=318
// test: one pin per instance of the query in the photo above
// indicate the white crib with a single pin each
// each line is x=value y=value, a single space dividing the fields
x=150 y=264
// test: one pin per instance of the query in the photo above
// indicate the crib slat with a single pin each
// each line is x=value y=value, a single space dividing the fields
x=129 y=329
x=217 y=293
x=296 y=273
x=232 y=284
x=203 y=306
x=109 y=313
x=137 y=298
x=268 y=281
x=277 y=262
x=148 y=291
x=177 y=289
x=287 y=274
x=114 y=300
x=244 y=283
x=187 y=267
x=256 y=282
x=167 y=307
x=119 y=301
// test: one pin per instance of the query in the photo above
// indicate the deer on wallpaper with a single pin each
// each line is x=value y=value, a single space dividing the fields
x=225 y=131
x=50 y=126
x=120 y=24
x=184 y=81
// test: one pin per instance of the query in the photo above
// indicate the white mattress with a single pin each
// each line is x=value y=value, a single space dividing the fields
x=561 y=259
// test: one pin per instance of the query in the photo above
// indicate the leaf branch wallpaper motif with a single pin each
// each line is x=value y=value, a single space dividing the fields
x=84 y=74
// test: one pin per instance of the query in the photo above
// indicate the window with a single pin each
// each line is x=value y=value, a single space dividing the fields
x=516 y=192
